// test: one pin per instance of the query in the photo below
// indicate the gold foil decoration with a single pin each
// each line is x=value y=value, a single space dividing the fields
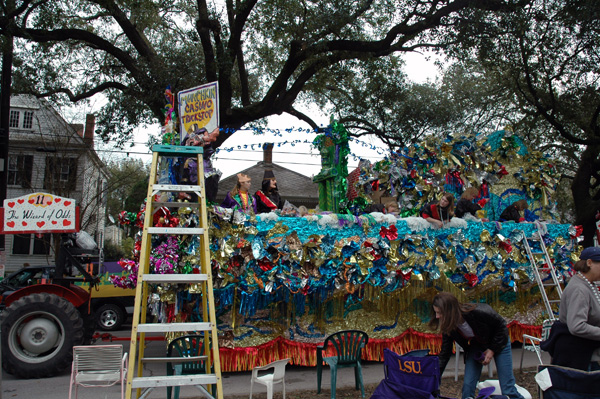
x=574 y=256
x=429 y=254
x=485 y=236
x=279 y=229
x=439 y=262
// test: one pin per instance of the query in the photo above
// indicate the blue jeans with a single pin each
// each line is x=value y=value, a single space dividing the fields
x=504 y=367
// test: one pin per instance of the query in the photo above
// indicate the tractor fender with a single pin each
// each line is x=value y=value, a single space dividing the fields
x=74 y=294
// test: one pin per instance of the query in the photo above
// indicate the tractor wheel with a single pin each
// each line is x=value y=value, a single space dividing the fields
x=38 y=335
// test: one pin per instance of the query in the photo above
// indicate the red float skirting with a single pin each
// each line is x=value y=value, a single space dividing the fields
x=305 y=354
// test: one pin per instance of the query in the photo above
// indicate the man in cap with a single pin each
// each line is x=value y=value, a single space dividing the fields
x=267 y=198
x=575 y=338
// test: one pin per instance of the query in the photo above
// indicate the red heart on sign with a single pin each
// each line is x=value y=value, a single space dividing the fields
x=66 y=222
x=54 y=222
x=10 y=224
x=56 y=199
x=24 y=223
x=67 y=203
x=40 y=224
x=11 y=204
x=31 y=201
x=49 y=203
x=20 y=201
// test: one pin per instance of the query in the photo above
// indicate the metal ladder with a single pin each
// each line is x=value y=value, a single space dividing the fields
x=208 y=325
x=548 y=285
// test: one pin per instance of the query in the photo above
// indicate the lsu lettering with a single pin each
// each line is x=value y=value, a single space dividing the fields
x=410 y=366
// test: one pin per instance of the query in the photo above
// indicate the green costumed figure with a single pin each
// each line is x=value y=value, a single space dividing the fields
x=334 y=148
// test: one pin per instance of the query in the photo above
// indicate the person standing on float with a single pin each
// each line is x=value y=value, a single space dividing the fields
x=240 y=198
x=268 y=198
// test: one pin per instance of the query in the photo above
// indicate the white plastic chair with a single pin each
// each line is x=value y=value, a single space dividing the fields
x=459 y=349
x=278 y=376
x=98 y=366
x=532 y=343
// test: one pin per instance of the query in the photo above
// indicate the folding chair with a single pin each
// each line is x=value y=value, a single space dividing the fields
x=567 y=383
x=98 y=366
x=532 y=343
x=409 y=377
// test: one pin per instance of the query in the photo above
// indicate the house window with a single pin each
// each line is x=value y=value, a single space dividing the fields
x=13 y=120
x=61 y=173
x=27 y=119
x=31 y=244
x=64 y=172
x=19 y=170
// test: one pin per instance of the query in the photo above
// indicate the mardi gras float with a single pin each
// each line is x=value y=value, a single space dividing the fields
x=282 y=284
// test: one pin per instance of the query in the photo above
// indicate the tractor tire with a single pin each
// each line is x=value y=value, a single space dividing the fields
x=38 y=335
x=110 y=317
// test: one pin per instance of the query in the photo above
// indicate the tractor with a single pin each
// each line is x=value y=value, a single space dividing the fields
x=42 y=322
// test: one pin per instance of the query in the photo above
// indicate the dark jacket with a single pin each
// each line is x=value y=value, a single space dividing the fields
x=436 y=211
x=568 y=350
x=267 y=202
x=489 y=329
x=510 y=213
x=464 y=206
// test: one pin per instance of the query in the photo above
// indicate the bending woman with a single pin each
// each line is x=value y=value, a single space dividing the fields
x=483 y=335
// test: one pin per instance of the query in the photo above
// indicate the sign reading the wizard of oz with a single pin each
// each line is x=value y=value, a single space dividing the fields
x=39 y=213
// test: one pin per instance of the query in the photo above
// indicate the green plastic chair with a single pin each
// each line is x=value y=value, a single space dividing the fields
x=186 y=346
x=346 y=347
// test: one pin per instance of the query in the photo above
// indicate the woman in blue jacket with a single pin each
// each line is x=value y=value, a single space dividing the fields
x=482 y=333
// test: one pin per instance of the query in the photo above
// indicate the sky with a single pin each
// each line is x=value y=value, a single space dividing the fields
x=291 y=150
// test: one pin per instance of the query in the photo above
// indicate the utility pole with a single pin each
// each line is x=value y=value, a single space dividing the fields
x=5 y=83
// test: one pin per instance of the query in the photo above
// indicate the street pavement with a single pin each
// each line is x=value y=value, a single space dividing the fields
x=297 y=378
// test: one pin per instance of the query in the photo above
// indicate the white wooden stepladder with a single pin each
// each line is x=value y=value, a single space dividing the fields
x=208 y=325
x=546 y=267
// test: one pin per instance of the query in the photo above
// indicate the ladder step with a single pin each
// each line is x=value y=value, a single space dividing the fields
x=173 y=380
x=549 y=285
x=175 y=278
x=174 y=187
x=189 y=359
x=174 y=327
x=176 y=204
x=554 y=300
x=177 y=150
x=176 y=230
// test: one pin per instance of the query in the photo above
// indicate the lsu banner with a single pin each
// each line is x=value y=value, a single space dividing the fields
x=199 y=108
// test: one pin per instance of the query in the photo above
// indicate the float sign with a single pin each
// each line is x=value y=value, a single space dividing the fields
x=39 y=213
x=199 y=108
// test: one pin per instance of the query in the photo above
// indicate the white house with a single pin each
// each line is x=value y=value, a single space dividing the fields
x=47 y=154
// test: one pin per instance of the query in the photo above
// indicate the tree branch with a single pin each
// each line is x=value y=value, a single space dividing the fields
x=87 y=94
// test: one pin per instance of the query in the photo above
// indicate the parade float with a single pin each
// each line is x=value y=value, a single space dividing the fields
x=283 y=283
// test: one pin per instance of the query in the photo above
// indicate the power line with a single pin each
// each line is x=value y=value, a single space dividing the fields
x=232 y=159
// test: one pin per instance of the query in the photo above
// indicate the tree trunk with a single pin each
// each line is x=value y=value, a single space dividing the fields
x=584 y=195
